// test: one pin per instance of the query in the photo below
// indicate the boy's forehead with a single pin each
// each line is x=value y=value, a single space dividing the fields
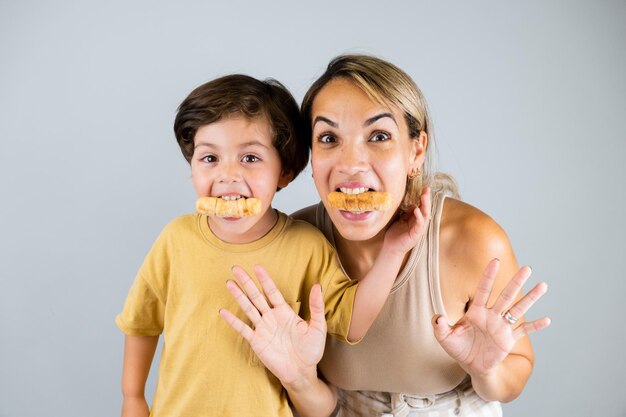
x=240 y=131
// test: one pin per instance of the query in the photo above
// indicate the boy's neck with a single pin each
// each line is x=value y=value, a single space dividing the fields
x=260 y=229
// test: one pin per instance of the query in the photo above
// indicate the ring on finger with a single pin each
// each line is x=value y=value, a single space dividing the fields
x=509 y=317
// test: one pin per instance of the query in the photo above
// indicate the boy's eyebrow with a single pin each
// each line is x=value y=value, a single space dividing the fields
x=208 y=145
x=253 y=143
x=243 y=145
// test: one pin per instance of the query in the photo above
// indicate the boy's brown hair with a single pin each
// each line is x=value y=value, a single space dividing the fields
x=242 y=95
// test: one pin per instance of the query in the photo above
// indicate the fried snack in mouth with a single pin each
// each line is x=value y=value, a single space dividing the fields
x=218 y=207
x=367 y=201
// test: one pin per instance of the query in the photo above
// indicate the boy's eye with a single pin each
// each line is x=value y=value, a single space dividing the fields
x=209 y=159
x=250 y=158
x=326 y=138
x=380 y=137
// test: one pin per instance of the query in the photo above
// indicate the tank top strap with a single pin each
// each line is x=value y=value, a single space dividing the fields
x=433 y=253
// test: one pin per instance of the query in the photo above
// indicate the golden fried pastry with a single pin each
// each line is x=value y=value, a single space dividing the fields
x=218 y=207
x=367 y=201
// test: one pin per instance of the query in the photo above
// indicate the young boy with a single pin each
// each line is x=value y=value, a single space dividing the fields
x=242 y=139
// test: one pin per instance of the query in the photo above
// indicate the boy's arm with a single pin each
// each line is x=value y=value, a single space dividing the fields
x=138 y=354
x=312 y=397
x=288 y=346
x=373 y=289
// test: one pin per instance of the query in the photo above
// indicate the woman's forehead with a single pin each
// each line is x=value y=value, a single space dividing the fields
x=342 y=101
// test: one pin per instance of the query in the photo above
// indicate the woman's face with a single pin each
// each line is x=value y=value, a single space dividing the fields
x=360 y=145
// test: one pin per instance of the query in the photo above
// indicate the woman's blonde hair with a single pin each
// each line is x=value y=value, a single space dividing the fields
x=388 y=85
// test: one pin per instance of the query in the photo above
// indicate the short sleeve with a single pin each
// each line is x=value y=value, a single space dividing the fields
x=143 y=313
x=339 y=292
x=144 y=309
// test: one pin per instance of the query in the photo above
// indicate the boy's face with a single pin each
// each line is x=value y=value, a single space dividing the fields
x=235 y=158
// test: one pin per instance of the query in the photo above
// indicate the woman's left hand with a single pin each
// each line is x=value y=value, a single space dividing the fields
x=405 y=232
x=483 y=337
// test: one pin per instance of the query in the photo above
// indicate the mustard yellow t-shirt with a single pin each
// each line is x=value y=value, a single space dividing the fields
x=207 y=368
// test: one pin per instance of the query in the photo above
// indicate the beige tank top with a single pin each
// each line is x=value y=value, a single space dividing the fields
x=399 y=353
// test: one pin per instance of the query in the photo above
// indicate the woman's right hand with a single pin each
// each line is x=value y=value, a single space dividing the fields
x=286 y=344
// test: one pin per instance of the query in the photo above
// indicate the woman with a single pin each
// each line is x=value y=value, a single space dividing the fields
x=451 y=338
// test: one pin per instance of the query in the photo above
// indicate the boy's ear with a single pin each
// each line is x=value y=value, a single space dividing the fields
x=285 y=178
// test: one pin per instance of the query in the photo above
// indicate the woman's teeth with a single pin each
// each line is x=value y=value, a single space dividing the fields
x=353 y=191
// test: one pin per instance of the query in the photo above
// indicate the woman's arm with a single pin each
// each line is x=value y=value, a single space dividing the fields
x=373 y=289
x=138 y=355
x=497 y=355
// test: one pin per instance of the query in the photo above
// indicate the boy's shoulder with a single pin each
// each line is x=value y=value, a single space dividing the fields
x=184 y=220
x=184 y=223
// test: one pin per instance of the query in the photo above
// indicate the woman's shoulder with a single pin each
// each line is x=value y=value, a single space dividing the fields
x=469 y=237
x=307 y=214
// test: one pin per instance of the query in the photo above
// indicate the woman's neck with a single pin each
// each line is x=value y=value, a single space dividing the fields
x=358 y=257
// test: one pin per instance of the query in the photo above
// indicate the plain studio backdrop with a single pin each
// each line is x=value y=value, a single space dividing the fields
x=529 y=106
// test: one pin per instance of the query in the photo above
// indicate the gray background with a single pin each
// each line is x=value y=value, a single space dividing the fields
x=528 y=100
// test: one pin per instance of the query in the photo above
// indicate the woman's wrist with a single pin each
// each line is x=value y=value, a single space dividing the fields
x=486 y=385
x=390 y=254
x=499 y=384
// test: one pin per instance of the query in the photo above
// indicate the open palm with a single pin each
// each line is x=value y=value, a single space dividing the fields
x=482 y=338
x=286 y=344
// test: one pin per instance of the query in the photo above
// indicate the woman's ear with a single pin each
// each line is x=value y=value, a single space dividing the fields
x=418 y=151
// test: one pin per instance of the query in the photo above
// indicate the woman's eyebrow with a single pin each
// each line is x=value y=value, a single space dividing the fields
x=371 y=120
x=325 y=120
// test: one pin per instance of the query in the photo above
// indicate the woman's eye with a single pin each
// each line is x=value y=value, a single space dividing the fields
x=250 y=158
x=380 y=137
x=209 y=159
x=326 y=138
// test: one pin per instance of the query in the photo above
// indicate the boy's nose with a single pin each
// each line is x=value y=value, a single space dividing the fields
x=230 y=172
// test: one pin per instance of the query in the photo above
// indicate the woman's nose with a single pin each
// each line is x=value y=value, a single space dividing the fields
x=353 y=160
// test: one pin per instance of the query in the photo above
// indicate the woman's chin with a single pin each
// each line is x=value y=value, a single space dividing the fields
x=359 y=226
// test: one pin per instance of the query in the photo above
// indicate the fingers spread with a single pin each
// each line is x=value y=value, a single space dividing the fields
x=254 y=295
x=508 y=294
x=441 y=327
x=486 y=283
x=316 y=305
x=241 y=328
x=243 y=301
x=526 y=302
x=531 y=327
x=269 y=288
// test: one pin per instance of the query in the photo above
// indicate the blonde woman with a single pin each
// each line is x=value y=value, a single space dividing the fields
x=451 y=339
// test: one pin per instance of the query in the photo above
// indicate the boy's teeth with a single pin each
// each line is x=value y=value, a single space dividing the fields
x=360 y=190
x=230 y=197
